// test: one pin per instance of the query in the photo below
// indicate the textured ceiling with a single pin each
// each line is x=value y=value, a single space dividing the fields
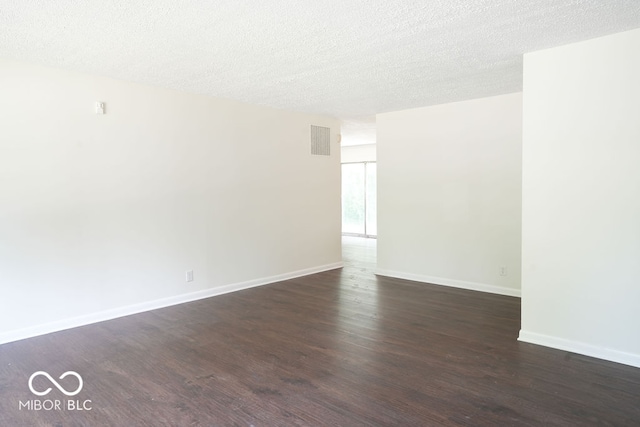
x=349 y=59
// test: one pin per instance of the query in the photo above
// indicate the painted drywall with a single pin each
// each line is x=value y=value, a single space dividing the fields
x=449 y=194
x=581 y=210
x=358 y=153
x=101 y=215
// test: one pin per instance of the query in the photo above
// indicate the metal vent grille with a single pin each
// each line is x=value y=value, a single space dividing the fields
x=320 y=141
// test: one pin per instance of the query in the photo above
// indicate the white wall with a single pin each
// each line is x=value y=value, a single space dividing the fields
x=358 y=153
x=581 y=198
x=102 y=215
x=449 y=193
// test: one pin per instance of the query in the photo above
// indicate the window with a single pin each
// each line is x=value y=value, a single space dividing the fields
x=359 y=215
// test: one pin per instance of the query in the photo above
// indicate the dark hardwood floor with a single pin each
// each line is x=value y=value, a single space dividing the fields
x=340 y=348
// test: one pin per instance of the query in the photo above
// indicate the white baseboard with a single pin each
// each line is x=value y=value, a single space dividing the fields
x=451 y=282
x=580 y=348
x=101 y=316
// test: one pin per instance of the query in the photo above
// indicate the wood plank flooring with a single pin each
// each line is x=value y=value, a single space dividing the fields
x=340 y=348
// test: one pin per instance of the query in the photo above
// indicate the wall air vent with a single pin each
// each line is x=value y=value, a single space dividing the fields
x=320 y=141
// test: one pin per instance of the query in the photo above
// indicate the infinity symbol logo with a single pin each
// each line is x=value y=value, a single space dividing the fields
x=55 y=383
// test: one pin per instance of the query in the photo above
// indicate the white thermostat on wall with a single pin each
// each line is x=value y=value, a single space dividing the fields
x=99 y=107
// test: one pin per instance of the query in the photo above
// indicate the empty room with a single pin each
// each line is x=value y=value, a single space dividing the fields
x=381 y=213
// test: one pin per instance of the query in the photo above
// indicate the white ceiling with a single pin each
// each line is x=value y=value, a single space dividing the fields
x=349 y=59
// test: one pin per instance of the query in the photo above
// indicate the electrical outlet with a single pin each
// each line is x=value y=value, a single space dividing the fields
x=190 y=276
x=503 y=270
